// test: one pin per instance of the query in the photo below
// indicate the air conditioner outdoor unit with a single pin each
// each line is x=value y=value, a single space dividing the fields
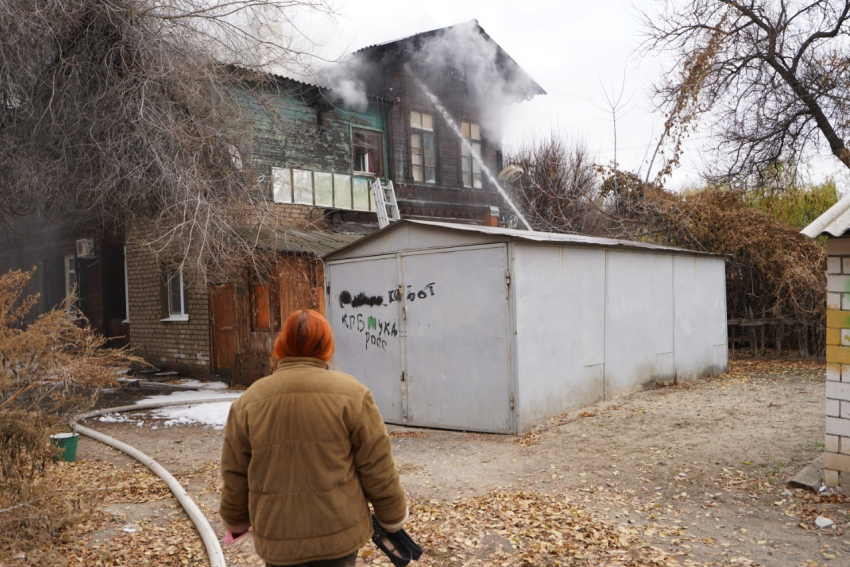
x=85 y=248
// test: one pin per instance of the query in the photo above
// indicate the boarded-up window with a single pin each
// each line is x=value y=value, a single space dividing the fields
x=260 y=307
x=301 y=286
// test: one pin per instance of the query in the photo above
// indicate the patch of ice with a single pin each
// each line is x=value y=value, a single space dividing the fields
x=213 y=415
x=203 y=385
x=188 y=396
x=117 y=418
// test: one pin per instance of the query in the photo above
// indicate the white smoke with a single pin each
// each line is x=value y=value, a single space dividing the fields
x=492 y=80
x=346 y=80
x=460 y=56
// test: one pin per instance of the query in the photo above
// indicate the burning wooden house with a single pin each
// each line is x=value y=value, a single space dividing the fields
x=424 y=115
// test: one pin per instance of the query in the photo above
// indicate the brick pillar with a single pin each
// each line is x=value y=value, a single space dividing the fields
x=837 y=462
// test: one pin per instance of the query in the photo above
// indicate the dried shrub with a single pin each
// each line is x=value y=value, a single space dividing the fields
x=559 y=188
x=49 y=369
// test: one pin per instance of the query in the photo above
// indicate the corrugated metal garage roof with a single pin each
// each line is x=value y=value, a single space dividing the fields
x=532 y=236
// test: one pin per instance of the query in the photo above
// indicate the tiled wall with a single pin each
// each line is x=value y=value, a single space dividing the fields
x=837 y=461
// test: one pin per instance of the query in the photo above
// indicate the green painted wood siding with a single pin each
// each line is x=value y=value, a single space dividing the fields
x=286 y=131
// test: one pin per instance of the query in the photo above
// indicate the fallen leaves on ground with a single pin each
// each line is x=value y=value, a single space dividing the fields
x=109 y=493
x=503 y=527
x=407 y=434
x=526 y=440
x=508 y=528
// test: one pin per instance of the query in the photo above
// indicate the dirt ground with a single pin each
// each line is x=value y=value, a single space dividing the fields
x=694 y=474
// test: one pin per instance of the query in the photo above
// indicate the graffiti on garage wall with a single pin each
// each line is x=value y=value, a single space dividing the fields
x=377 y=331
x=359 y=300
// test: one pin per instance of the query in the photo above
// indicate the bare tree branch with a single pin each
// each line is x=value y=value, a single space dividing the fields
x=137 y=112
x=759 y=73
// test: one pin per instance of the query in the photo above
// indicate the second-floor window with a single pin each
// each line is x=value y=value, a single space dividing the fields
x=423 y=158
x=368 y=152
x=470 y=166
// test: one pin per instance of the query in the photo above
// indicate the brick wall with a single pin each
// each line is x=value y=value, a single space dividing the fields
x=175 y=345
x=295 y=215
x=837 y=462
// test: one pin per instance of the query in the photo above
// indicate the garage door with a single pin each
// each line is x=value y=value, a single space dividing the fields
x=367 y=329
x=457 y=339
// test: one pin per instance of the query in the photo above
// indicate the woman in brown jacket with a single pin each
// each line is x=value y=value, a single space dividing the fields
x=305 y=450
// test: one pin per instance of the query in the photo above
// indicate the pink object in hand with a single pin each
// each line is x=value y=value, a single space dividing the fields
x=230 y=539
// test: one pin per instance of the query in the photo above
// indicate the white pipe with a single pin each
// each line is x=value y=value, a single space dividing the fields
x=206 y=532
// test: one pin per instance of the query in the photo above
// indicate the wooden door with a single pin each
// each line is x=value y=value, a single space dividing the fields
x=224 y=322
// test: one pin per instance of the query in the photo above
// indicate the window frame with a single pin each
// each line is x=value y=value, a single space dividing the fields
x=74 y=311
x=342 y=184
x=477 y=144
x=422 y=132
x=380 y=160
x=126 y=291
x=172 y=314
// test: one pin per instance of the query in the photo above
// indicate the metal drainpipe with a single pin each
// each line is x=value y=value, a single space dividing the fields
x=206 y=532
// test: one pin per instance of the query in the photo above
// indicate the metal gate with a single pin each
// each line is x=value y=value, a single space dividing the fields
x=428 y=332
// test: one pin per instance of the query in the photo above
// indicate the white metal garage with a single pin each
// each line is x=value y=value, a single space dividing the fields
x=488 y=329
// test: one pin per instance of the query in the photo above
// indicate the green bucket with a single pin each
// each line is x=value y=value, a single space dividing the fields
x=67 y=443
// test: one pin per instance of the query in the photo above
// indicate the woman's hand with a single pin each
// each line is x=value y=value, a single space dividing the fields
x=236 y=530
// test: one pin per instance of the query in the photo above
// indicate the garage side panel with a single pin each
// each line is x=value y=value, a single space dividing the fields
x=700 y=295
x=560 y=295
x=639 y=320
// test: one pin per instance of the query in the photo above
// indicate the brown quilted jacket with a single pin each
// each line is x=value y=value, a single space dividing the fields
x=304 y=450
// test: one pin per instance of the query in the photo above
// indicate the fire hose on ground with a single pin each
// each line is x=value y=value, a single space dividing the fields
x=201 y=524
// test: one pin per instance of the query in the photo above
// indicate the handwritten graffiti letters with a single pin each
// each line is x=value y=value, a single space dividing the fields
x=395 y=294
x=378 y=331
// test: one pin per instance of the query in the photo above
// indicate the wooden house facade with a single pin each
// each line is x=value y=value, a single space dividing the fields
x=418 y=124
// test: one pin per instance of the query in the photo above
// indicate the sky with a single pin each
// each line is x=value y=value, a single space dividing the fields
x=580 y=52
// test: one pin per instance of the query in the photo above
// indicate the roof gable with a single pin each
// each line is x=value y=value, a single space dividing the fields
x=465 y=47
